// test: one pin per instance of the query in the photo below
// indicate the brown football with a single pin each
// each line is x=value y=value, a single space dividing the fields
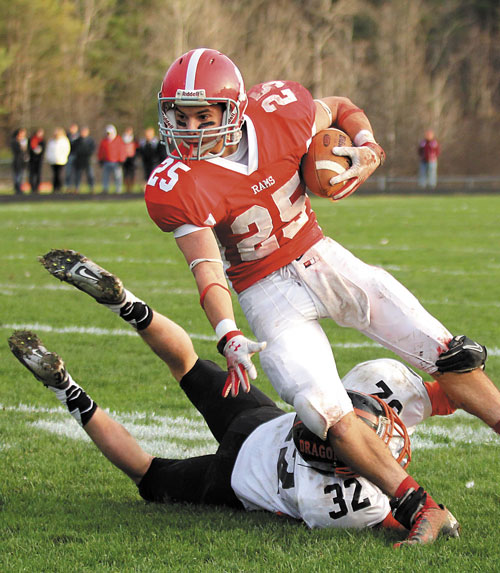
x=319 y=164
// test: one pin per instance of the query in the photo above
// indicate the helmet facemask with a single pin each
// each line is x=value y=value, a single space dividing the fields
x=376 y=414
x=174 y=138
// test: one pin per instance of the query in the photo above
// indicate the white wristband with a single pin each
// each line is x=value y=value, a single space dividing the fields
x=362 y=137
x=225 y=325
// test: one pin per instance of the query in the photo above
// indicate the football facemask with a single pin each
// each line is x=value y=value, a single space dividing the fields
x=199 y=78
x=320 y=455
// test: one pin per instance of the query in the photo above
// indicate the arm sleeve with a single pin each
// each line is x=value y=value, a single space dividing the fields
x=441 y=404
x=186 y=230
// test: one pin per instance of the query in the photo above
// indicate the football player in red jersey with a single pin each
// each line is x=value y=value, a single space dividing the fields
x=234 y=172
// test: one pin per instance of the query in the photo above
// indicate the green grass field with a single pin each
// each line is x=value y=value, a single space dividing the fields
x=63 y=507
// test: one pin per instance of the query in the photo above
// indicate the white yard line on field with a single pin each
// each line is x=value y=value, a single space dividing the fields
x=37 y=327
x=131 y=260
x=11 y=289
x=182 y=437
x=159 y=435
x=438 y=436
x=384 y=244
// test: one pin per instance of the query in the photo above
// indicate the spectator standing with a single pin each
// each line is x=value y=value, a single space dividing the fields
x=428 y=151
x=129 y=164
x=73 y=134
x=111 y=155
x=36 y=152
x=57 y=154
x=151 y=151
x=84 y=148
x=20 y=157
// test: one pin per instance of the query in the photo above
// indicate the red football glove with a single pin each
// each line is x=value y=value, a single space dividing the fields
x=238 y=351
x=365 y=159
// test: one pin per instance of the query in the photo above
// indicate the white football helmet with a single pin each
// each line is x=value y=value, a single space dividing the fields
x=198 y=78
x=396 y=384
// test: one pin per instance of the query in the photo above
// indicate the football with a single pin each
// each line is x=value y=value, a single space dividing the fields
x=319 y=164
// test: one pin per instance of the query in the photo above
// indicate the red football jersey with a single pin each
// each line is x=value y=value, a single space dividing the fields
x=258 y=209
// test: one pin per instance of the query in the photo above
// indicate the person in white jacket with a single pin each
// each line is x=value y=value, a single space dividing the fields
x=57 y=153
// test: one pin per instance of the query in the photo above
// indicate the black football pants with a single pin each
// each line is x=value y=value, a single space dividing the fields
x=207 y=479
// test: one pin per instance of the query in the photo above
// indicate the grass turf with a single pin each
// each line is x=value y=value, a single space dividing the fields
x=64 y=508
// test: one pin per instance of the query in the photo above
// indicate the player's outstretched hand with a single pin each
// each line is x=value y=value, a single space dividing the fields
x=238 y=351
x=364 y=159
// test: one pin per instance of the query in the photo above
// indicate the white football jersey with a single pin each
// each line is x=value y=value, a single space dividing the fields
x=269 y=474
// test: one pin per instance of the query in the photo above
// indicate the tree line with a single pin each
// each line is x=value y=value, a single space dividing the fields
x=410 y=64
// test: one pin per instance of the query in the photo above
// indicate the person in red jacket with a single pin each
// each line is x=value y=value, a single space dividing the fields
x=111 y=155
x=428 y=151
x=36 y=150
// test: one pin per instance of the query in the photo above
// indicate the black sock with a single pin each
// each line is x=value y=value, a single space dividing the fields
x=79 y=404
x=133 y=310
x=138 y=314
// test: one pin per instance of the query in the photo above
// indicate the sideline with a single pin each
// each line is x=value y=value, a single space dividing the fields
x=367 y=190
x=63 y=197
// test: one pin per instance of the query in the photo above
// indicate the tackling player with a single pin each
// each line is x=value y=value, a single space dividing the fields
x=266 y=459
x=232 y=178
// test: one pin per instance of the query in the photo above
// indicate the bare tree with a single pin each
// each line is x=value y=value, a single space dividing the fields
x=409 y=64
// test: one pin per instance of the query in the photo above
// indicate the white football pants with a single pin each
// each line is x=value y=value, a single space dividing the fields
x=284 y=309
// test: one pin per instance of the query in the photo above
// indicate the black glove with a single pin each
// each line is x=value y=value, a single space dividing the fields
x=463 y=355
